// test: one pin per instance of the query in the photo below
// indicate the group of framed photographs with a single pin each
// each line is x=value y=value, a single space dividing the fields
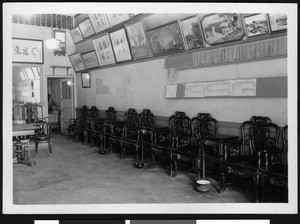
x=133 y=42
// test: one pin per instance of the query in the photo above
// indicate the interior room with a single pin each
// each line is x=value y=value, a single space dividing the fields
x=166 y=109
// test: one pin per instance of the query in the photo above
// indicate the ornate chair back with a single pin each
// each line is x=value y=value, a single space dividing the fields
x=285 y=143
x=93 y=112
x=259 y=134
x=131 y=118
x=111 y=114
x=146 y=119
x=204 y=125
x=18 y=112
x=34 y=112
x=180 y=129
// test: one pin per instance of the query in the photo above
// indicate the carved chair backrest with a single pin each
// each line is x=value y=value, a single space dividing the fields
x=285 y=138
x=18 y=112
x=34 y=112
x=131 y=118
x=111 y=114
x=260 y=134
x=180 y=125
x=84 y=113
x=93 y=112
x=146 y=119
x=203 y=125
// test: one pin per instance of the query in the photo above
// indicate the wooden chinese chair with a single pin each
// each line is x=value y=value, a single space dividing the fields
x=130 y=137
x=110 y=119
x=76 y=125
x=259 y=136
x=275 y=170
x=56 y=124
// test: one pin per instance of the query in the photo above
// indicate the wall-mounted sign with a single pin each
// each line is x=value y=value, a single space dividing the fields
x=99 y=21
x=27 y=51
x=120 y=45
x=86 y=28
x=104 y=50
x=76 y=34
x=90 y=60
x=77 y=62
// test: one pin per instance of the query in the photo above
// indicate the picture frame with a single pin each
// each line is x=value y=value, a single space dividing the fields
x=116 y=18
x=256 y=24
x=90 y=60
x=138 y=41
x=76 y=34
x=278 y=22
x=27 y=51
x=86 y=28
x=85 y=80
x=77 y=62
x=120 y=45
x=170 y=32
x=192 y=33
x=99 y=22
x=104 y=50
x=222 y=27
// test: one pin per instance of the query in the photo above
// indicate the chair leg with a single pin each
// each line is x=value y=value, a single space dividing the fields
x=36 y=142
x=152 y=161
x=49 y=147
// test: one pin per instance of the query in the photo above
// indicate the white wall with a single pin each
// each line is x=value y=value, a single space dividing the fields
x=142 y=85
x=42 y=33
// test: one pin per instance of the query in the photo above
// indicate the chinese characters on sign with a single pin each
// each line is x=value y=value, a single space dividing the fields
x=24 y=50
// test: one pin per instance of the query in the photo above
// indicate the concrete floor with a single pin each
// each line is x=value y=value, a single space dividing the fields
x=77 y=174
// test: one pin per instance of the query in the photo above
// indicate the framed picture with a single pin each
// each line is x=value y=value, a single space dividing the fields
x=166 y=39
x=104 y=50
x=76 y=34
x=120 y=45
x=192 y=33
x=86 y=28
x=27 y=51
x=60 y=35
x=256 y=24
x=90 y=60
x=116 y=18
x=278 y=22
x=77 y=62
x=222 y=27
x=99 y=22
x=138 y=41
x=86 y=80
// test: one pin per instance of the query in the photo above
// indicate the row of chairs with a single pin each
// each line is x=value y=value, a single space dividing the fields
x=256 y=154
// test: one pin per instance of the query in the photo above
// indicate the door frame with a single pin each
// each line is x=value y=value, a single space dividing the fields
x=74 y=90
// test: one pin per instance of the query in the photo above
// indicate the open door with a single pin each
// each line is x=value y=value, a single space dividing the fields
x=67 y=103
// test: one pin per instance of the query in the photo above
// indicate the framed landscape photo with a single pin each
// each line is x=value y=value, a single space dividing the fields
x=277 y=22
x=166 y=39
x=76 y=34
x=116 y=18
x=138 y=41
x=104 y=50
x=256 y=24
x=192 y=33
x=77 y=62
x=27 y=51
x=222 y=27
x=90 y=60
x=86 y=28
x=86 y=80
x=99 y=22
x=120 y=45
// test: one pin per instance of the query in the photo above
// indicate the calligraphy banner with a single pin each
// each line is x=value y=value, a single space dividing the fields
x=27 y=51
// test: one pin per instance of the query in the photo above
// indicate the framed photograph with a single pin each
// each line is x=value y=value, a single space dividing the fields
x=138 y=41
x=86 y=28
x=104 y=50
x=192 y=33
x=278 y=22
x=166 y=39
x=256 y=24
x=76 y=34
x=27 y=51
x=222 y=27
x=116 y=18
x=120 y=45
x=99 y=22
x=90 y=60
x=86 y=80
x=77 y=62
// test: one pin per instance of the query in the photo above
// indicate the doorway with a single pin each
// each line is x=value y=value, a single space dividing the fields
x=61 y=97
